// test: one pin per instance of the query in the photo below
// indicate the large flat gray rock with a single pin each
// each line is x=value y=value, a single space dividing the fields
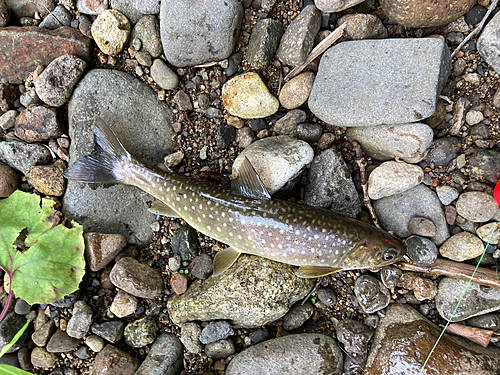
x=488 y=44
x=196 y=32
x=143 y=124
x=380 y=82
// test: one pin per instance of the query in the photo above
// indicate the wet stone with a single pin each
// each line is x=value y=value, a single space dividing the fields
x=307 y=353
x=190 y=337
x=38 y=124
x=41 y=45
x=148 y=31
x=203 y=266
x=478 y=300
x=486 y=321
x=274 y=289
x=371 y=294
x=9 y=182
x=309 y=132
x=462 y=246
x=179 y=283
x=123 y=304
x=297 y=316
x=327 y=296
x=295 y=92
x=137 y=279
x=390 y=276
x=141 y=332
x=48 y=179
x=80 y=321
x=10 y=325
x=298 y=39
x=215 y=331
x=185 y=243
x=421 y=250
x=355 y=337
x=220 y=349
x=396 y=211
x=422 y=227
x=40 y=357
x=427 y=61
x=113 y=361
x=476 y=206
x=489 y=233
x=100 y=249
x=165 y=357
x=95 y=343
x=60 y=342
x=263 y=43
x=408 y=142
x=424 y=289
x=330 y=185
x=110 y=331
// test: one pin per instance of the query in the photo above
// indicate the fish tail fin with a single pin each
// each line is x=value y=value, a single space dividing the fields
x=101 y=166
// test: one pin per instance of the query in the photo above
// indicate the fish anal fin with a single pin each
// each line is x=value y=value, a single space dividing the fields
x=225 y=259
x=308 y=272
x=248 y=182
x=160 y=208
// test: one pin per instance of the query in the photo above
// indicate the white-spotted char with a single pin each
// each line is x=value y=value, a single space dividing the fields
x=245 y=217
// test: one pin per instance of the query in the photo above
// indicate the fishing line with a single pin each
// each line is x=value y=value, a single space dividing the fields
x=459 y=301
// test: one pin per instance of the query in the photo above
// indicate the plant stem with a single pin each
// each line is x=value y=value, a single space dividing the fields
x=7 y=305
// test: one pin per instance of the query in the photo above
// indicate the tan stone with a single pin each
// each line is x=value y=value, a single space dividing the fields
x=111 y=31
x=296 y=91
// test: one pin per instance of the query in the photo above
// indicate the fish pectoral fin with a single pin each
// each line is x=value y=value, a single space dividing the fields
x=225 y=259
x=248 y=183
x=308 y=272
x=160 y=208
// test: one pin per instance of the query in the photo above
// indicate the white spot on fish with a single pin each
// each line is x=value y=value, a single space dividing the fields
x=249 y=238
x=208 y=227
x=230 y=234
x=199 y=219
x=177 y=199
x=185 y=196
x=303 y=252
x=218 y=229
x=297 y=232
x=223 y=214
x=239 y=236
x=336 y=252
x=161 y=189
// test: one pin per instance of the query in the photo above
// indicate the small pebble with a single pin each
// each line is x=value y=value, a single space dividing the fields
x=422 y=227
x=179 y=283
x=462 y=246
x=476 y=206
x=220 y=349
x=190 y=337
x=446 y=194
x=297 y=316
x=424 y=289
x=421 y=250
x=216 y=331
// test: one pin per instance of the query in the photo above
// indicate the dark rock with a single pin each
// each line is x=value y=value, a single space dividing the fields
x=309 y=132
x=9 y=182
x=165 y=357
x=216 y=331
x=100 y=249
x=40 y=357
x=266 y=35
x=28 y=47
x=225 y=135
x=485 y=164
x=60 y=342
x=327 y=296
x=182 y=101
x=113 y=361
x=442 y=151
x=297 y=316
x=8 y=95
x=486 y=321
x=355 y=337
x=258 y=124
x=4 y=14
x=38 y=124
x=10 y=325
x=259 y=335
x=141 y=332
x=58 y=17
x=421 y=250
x=203 y=266
x=111 y=331
x=80 y=321
x=185 y=243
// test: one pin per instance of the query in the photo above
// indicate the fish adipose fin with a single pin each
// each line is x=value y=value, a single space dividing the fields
x=248 y=183
x=308 y=272
x=160 y=208
x=99 y=166
x=225 y=259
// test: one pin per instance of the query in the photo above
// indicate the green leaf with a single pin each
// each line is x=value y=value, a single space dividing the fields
x=53 y=265
x=14 y=339
x=11 y=370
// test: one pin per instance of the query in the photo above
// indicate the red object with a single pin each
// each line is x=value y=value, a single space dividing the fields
x=497 y=193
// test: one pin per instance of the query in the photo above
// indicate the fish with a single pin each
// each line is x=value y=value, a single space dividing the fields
x=245 y=217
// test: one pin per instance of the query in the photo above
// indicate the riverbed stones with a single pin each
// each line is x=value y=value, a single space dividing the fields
x=489 y=233
x=371 y=294
x=80 y=321
x=143 y=125
x=148 y=31
x=266 y=35
x=102 y=248
x=393 y=177
x=9 y=327
x=279 y=161
x=196 y=33
x=163 y=75
x=246 y=96
x=48 y=179
x=485 y=164
x=352 y=87
x=476 y=206
x=462 y=246
x=295 y=92
x=489 y=42
x=9 y=182
x=55 y=83
x=416 y=13
x=274 y=288
x=111 y=31
x=363 y=26
x=404 y=334
x=114 y=361
x=396 y=211
x=165 y=357
x=136 y=278
x=38 y=124
x=298 y=39
x=306 y=353
x=478 y=300
x=408 y=142
x=25 y=48
x=331 y=6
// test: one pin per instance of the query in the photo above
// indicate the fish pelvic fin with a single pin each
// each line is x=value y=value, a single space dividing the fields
x=309 y=272
x=101 y=165
x=225 y=259
x=160 y=208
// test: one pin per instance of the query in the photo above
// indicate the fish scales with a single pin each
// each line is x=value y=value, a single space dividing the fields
x=283 y=231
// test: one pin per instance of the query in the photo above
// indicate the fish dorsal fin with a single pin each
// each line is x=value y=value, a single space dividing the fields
x=225 y=259
x=308 y=272
x=248 y=183
x=160 y=208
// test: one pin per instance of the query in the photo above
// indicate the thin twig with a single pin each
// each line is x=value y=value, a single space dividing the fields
x=52 y=14
x=366 y=199
x=207 y=65
x=318 y=50
x=477 y=29
x=457 y=270
x=476 y=335
x=313 y=290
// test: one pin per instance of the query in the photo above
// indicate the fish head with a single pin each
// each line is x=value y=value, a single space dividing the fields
x=375 y=250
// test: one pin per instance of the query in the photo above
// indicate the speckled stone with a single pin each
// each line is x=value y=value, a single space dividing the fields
x=273 y=290
x=476 y=206
x=363 y=26
x=136 y=278
x=148 y=31
x=111 y=31
x=48 y=179
x=393 y=177
x=266 y=35
x=295 y=92
x=371 y=294
x=489 y=233
x=462 y=246
x=165 y=357
x=114 y=361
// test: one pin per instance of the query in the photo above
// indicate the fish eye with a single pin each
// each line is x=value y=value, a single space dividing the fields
x=389 y=254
